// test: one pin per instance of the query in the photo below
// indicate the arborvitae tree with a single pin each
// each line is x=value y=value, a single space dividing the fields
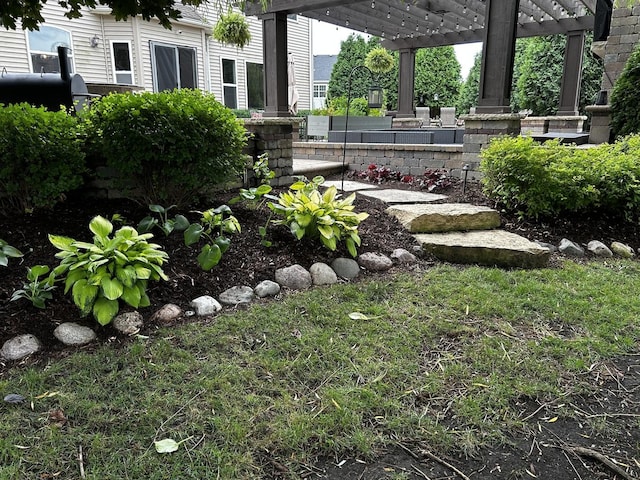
x=469 y=90
x=625 y=98
x=437 y=73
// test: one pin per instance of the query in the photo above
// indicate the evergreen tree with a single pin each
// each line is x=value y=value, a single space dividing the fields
x=625 y=98
x=437 y=77
x=470 y=88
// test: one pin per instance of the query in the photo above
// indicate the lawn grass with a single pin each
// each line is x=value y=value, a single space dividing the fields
x=448 y=357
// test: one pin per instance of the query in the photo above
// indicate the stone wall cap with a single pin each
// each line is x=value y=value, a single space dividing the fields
x=491 y=116
x=598 y=108
x=273 y=121
x=565 y=118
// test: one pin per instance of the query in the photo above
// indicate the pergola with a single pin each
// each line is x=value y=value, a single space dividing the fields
x=406 y=25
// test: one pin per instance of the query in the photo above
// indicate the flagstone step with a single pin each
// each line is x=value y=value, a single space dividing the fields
x=394 y=196
x=313 y=168
x=485 y=247
x=444 y=217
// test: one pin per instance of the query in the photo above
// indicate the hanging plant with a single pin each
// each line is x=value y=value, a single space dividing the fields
x=379 y=60
x=232 y=29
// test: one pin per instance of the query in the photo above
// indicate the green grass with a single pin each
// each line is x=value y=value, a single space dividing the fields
x=446 y=358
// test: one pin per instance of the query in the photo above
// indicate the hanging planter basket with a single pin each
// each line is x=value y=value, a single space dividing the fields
x=379 y=60
x=232 y=29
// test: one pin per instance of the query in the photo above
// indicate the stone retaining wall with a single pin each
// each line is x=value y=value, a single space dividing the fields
x=408 y=159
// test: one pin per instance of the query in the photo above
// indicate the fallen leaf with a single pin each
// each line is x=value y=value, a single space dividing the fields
x=47 y=395
x=56 y=417
x=358 y=316
x=167 y=445
x=552 y=420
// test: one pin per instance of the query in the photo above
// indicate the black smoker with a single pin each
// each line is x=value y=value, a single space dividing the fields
x=50 y=90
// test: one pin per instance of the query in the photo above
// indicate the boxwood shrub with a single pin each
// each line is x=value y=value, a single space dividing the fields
x=550 y=179
x=167 y=147
x=41 y=158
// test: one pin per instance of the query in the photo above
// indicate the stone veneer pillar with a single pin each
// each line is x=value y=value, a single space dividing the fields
x=479 y=129
x=274 y=136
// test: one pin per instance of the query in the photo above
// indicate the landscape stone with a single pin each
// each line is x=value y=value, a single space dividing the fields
x=375 y=262
x=598 y=248
x=568 y=247
x=295 y=277
x=445 y=217
x=622 y=250
x=346 y=268
x=236 y=295
x=550 y=246
x=14 y=398
x=485 y=247
x=392 y=196
x=267 y=288
x=323 y=274
x=19 y=347
x=128 y=323
x=401 y=255
x=205 y=305
x=349 y=185
x=71 y=333
x=166 y=314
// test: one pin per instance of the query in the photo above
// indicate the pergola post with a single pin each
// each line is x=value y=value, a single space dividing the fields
x=274 y=47
x=498 y=52
x=406 y=83
x=571 y=74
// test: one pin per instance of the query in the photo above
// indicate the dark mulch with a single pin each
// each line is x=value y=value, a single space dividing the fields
x=536 y=451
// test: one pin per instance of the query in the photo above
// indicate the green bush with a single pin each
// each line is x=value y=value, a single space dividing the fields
x=167 y=147
x=625 y=98
x=40 y=157
x=552 y=179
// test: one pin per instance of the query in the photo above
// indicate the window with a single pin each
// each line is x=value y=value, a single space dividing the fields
x=173 y=67
x=319 y=95
x=43 y=49
x=122 y=71
x=292 y=16
x=229 y=85
x=255 y=86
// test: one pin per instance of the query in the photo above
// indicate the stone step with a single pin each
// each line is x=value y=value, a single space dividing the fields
x=394 y=196
x=313 y=168
x=485 y=247
x=444 y=217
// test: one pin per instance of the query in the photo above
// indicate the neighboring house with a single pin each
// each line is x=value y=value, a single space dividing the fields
x=144 y=54
x=322 y=67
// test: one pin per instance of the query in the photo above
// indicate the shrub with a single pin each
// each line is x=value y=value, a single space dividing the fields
x=551 y=179
x=625 y=98
x=309 y=213
x=110 y=269
x=167 y=147
x=40 y=157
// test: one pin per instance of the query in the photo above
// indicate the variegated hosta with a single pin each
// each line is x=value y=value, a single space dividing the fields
x=310 y=213
x=110 y=269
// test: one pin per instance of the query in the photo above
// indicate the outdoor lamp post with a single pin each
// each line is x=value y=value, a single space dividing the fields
x=374 y=100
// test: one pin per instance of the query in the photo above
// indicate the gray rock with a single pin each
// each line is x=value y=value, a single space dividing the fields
x=71 y=333
x=445 y=217
x=485 y=247
x=550 y=246
x=392 y=196
x=19 y=347
x=322 y=274
x=237 y=296
x=14 y=398
x=128 y=323
x=401 y=255
x=346 y=268
x=267 y=288
x=622 y=250
x=570 y=248
x=166 y=314
x=295 y=277
x=205 y=305
x=375 y=262
x=598 y=248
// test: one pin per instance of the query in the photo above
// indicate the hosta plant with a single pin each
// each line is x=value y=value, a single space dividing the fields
x=37 y=290
x=6 y=252
x=307 y=212
x=110 y=269
x=163 y=222
x=215 y=224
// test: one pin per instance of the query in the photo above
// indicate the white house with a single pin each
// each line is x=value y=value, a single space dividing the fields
x=144 y=54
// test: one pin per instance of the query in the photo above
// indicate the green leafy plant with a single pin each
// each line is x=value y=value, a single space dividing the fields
x=6 y=252
x=110 y=269
x=379 y=60
x=166 y=224
x=232 y=29
x=40 y=157
x=625 y=116
x=324 y=216
x=37 y=290
x=169 y=147
x=262 y=175
x=215 y=224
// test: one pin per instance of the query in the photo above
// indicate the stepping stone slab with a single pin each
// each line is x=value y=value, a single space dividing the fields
x=445 y=217
x=349 y=186
x=494 y=247
x=392 y=196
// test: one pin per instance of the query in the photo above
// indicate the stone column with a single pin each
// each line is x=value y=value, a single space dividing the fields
x=274 y=48
x=405 y=85
x=479 y=129
x=498 y=52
